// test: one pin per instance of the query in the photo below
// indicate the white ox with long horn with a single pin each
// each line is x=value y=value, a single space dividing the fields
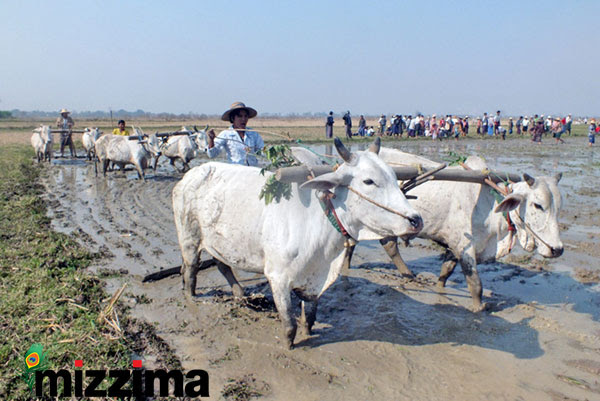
x=42 y=142
x=124 y=150
x=470 y=221
x=217 y=209
x=183 y=147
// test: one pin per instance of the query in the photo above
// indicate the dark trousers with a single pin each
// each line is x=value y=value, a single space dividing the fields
x=67 y=140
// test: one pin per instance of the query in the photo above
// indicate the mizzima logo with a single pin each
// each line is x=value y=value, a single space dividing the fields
x=125 y=383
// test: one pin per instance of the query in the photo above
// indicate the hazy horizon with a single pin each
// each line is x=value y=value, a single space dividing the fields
x=387 y=57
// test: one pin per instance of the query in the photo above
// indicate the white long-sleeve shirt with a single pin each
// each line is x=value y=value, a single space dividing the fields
x=238 y=151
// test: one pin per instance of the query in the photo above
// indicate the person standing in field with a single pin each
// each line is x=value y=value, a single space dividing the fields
x=510 y=126
x=66 y=124
x=538 y=131
x=465 y=126
x=362 y=126
x=121 y=130
x=557 y=130
x=592 y=130
x=519 y=124
x=456 y=131
x=348 y=124
x=434 y=127
x=329 y=126
x=568 y=123
x=390 y=130
x=490 y=127
x=382 y=122
x=478 y=125
x=484 y=124
x=496 y=122
x=525 y=124
x=240 y=144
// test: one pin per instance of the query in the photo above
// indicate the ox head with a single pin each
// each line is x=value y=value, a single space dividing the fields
x=199 y=138
x=362 y=185
x=45 y=133
x=93 y=132
x=537 y=201
x=151 y=143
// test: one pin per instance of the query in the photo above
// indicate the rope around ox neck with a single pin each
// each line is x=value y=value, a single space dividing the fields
x=377 y=203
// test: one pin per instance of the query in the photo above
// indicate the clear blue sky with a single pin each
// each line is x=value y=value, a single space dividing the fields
x=297 y=56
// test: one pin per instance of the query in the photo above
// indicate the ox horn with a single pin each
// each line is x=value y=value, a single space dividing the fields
x=343 y=151
x=529 y=179
x=375 y=146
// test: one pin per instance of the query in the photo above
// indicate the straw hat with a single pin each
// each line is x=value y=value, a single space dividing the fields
x=62 y=111
x=238 y=106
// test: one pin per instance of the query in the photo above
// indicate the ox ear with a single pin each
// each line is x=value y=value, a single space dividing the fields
x=528 y=179
x=557 y=177
x=509 y=203
x=325 y=182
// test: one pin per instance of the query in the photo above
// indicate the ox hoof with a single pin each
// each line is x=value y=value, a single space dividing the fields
x=189 y=292
x=290 y=334
x=481 y=307
x=441 y=284
x=238 y=292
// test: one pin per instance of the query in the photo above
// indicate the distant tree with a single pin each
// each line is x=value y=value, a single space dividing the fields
x=5 y=114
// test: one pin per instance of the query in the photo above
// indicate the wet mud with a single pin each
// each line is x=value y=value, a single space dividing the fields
x=379 y=336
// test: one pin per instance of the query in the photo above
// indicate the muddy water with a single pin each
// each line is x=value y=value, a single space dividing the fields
x=381 y=336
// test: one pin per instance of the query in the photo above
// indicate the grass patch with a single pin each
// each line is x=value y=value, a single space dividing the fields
x=46 y=295
x=245 y=389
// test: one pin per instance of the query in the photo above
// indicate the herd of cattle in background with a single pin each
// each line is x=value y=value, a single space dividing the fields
x=139 y=149
x=293 y=243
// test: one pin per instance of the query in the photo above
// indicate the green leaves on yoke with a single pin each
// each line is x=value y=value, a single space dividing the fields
x=278 y=156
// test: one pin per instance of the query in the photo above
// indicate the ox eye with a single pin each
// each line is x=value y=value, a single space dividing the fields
x=538 y=206
x=369 y=181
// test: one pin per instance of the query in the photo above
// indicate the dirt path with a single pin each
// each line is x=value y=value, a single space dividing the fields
x=382 y=337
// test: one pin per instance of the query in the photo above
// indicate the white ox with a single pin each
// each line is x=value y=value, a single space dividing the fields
x=183 y=148
x=217 y=209
x=88 y=139
x=42 y=142
x=123 y=150
x=468 y=221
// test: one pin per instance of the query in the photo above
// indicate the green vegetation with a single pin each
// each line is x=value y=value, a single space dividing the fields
x=5 y=114
x=46 y=296
x=278 y=156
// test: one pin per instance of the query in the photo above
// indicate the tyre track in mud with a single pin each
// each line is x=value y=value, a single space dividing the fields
x=380 y=337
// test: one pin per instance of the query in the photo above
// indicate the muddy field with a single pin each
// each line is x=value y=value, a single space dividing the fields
x=381 y=337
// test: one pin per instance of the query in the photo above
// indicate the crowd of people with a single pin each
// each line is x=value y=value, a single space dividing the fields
x=452 y=126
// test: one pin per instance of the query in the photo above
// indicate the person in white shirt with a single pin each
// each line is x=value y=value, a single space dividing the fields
x=569 y=123
x=241 y=145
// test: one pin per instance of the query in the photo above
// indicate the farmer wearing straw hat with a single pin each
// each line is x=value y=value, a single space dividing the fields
x=65 y=123
x=239 y=143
